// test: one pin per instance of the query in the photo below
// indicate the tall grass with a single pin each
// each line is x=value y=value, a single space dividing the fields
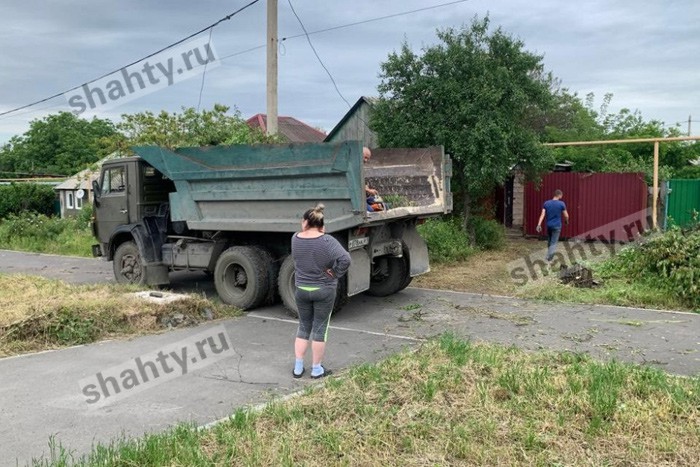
x=661 y=271
x=43 y=234
x=446 y=239
x=450 y=403
x=38 y=313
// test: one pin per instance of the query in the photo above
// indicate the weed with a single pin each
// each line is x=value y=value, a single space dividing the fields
x=447 y=241
x=528 y=409
x=42 y=234
x=37 y=313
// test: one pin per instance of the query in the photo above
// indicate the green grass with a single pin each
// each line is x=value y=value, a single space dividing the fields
x=447 y=242
x=613 y=291
x=38 y=314
x=42 y=234
x=450 y=403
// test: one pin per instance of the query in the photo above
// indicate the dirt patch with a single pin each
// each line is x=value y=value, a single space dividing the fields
x=485 y=272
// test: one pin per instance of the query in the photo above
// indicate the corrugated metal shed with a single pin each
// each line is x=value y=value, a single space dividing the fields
x=683 y=199
x=593 y=200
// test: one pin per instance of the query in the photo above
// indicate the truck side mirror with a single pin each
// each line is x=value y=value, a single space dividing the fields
x=96 y=192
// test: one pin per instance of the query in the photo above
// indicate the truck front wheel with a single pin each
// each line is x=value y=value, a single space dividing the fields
x=128 y=265
x=389 y=274
x=241 y=277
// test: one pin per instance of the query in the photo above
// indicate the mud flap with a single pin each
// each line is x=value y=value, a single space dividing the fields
x=359 y=272
x=418 y=251
x=156 y=274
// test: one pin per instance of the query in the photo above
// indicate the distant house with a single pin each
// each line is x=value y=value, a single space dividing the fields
x=291 y=129
x=76 y=191
x=354 y=126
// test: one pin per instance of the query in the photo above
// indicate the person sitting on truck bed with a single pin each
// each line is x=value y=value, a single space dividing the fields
x=319 y=260
x=371 y=193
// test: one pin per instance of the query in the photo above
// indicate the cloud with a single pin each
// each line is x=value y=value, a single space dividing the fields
x=642 y=52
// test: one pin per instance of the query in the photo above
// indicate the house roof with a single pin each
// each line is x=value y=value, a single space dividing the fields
x=363 y=99
x=295 y=131
x=84 y=178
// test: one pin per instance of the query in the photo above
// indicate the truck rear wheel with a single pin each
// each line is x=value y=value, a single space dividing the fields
x=407 y=277
x=128 y=265
x=285 y=283
x=287 y=289
x=388 y=276
x=241 y=277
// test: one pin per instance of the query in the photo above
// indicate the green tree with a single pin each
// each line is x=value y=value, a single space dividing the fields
x=186 y=129
x=591 y=125
x=57 y=144
x=477 y=93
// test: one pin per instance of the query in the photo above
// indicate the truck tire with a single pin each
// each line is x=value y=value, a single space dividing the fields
x=285 y=284
x=128 y=265
x=287 y=289
x=272 y=268
x=241 y=278
x=407 y=277
x=389 y=275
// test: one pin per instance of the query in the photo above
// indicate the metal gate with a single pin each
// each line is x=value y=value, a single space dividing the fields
x=683 y=202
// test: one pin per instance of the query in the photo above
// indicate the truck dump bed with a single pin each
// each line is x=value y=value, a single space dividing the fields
x=268 y=187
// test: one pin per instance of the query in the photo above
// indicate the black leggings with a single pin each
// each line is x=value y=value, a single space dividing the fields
x=315 y=309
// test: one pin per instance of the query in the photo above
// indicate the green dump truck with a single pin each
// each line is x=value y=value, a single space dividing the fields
x=230 y=213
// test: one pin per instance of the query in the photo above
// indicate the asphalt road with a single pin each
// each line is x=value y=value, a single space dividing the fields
x=42 y=395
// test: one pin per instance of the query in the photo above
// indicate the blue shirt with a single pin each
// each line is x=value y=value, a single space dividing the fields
x=553 y=209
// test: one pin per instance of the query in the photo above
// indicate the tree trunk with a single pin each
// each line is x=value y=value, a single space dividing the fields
x=467 y=226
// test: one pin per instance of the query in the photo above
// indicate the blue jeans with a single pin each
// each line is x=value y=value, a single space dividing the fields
x=552 y=239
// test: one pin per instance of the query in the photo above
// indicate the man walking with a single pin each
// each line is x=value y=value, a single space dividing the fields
x=553 y=210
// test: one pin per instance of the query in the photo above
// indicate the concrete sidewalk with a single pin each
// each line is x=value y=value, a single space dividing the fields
x=40 y=395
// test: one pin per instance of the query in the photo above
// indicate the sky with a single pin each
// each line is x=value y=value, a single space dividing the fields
x=643 y=52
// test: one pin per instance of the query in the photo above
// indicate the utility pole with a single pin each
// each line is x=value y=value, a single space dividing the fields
x=688 y=125
x=271 y=67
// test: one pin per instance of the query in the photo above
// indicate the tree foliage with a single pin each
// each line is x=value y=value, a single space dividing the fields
x=187 y=129
x=582 y=122
x=478 y=93
x=21 y=198
x=57 y=144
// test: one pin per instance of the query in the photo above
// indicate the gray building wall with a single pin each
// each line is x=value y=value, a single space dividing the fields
x=356 y=128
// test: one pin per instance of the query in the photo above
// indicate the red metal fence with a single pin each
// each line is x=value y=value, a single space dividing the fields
x=592 y=200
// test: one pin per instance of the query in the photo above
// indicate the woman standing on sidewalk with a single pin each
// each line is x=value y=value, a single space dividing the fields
x=319 y=260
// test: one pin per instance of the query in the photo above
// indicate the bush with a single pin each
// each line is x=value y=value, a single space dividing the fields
x=671 y=259
x=19 y=198
x=447 y=241
x=43 y=234
x=489 y=234
x=688 y=172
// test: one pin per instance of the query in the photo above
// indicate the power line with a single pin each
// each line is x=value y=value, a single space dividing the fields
x=379 y=18
x=204 y=74
x=348 y=25
x=369 y=20
x=225 y=18
x=316 y=53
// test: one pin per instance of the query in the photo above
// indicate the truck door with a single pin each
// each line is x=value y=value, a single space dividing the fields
x=113 y=209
